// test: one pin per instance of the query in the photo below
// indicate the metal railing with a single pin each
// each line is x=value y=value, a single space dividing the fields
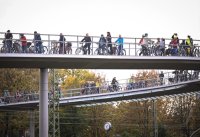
x=51 y=45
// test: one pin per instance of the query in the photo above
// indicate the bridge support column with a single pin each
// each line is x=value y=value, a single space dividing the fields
x=43 y=104
x=32 y=124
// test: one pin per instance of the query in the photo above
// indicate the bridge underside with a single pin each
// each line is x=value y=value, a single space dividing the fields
x=94 y=62
x=179 y=88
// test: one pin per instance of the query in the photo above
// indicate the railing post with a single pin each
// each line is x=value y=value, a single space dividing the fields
x=49 y=43
x=135 y=48
x=92 y=45
x=77 y=41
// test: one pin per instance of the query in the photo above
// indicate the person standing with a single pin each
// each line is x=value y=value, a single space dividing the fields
x=8 y=41
x=24 y=43
x=102 y=44
x=87 y=41
x=37 y=42
x=62 y=44
x=109 y=42
x=120 y=42
x=114 y=84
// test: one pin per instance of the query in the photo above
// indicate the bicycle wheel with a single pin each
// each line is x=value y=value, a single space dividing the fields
x=69 y=51
x=3 y=50
x=44 y=50
x=79 y=51
x=123 y=52
x=115 y=51
x=138 y=52
x=182 y=52
x=196 y=53
x=96 y=52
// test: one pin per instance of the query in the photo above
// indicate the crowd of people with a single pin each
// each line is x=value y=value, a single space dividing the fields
x=18 y=96
x=173 y=46
x=105 y=43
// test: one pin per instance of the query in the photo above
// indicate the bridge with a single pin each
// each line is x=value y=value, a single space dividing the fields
x=128 y=61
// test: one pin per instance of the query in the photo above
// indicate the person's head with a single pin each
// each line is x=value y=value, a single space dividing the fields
x=101 y=35
x=188 y=36
x=35 y=32
x=120 y=35
x=21 y=35
x=87 y=34
x=146 y=34
x=8 y=31
x=143 y=36
x=114 y=78
x=108 y=33
x=61 y=34
x=175 y=35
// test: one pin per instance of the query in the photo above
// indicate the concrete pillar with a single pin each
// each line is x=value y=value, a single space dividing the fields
x=32 y=124
x=43 y=104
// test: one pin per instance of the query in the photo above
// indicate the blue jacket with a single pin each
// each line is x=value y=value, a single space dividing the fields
x=120 y=41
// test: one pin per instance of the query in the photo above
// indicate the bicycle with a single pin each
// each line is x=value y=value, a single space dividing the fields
x=117 y=52
x=82 y=50
x=54 y=48
x=182 y=50
x=144 y=51
x=101 y=50
x=195 y=51
x=68 y=48
x=36 y=49
x=15 y=47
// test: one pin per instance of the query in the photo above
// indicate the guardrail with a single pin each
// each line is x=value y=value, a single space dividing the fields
x=50 y=45
x=122 y=85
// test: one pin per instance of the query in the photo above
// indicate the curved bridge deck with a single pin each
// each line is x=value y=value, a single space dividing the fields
x=151 y=92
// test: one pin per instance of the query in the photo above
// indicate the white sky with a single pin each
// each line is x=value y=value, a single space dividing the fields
x=130 y=18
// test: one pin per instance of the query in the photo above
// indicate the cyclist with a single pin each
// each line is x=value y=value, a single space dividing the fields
x=23 y=43
x=161 y=76
x=62 y=44
x=189 y=43
x=144 y=43
x=102 y=44
x=87 y=41
x=8 y=41
x=120 y=42
x=114 y=84
x=37 y=42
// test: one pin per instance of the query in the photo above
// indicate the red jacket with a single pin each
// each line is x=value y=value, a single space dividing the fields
x=23 y=40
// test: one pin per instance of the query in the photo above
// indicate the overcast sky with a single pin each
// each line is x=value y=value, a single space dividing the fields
x=130 y=18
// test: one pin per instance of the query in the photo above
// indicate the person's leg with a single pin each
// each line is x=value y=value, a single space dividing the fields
x=119 y=49
x=89 y=48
